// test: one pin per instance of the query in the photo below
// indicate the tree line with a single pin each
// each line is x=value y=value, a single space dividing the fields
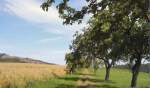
x=118 y=30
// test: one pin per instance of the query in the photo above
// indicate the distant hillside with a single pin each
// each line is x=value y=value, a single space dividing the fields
x=7 y=58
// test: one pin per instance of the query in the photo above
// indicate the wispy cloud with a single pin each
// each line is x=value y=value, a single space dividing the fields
x=30 y=10
x=47 y=40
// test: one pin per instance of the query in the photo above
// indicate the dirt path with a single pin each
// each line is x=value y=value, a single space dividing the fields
x=85 y=82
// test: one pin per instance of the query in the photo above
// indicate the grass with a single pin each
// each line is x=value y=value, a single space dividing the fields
x=20 y=75
x=86 y=79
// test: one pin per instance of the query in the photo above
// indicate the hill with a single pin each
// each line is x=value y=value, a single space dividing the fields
x=14 y=59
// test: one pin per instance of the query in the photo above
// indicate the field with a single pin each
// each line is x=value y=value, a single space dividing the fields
x=22 y=75
x=88 y=79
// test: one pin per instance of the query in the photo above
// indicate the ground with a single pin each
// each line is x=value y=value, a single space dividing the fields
x=19 y=75
x=88 y=79
x=25 y=75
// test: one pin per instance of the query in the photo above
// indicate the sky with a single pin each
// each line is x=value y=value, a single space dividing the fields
x=27 y=31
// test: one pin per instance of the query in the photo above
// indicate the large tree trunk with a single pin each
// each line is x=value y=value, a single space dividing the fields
x=107 y=73
x=134 y=79
x=108 y=67
x=135 y=72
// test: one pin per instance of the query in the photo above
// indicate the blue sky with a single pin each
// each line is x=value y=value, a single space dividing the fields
x=27 y=31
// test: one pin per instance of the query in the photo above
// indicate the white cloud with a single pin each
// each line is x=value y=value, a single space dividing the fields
x=47 y=40
x=30 y=10
x=64 y=29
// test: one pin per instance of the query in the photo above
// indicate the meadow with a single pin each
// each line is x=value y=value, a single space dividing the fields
x=89 y=79
x=25 y=75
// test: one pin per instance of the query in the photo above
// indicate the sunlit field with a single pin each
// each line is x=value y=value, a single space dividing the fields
x=21 y=75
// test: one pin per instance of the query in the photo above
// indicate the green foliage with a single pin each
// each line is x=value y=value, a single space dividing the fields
x=71 y=62
x=118 y=8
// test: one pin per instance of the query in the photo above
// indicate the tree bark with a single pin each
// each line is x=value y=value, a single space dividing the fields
x=108 y=67
x=134 y=79
x=107 y=73
x=135 y=72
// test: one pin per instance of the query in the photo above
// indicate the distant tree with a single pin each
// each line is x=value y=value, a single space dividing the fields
x=70 y=61
x=75 y=61
x=93 y=46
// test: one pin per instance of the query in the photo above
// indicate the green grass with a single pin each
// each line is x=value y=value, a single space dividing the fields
x=118 y=79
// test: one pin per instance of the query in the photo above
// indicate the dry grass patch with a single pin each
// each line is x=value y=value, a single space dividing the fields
x=18 y=75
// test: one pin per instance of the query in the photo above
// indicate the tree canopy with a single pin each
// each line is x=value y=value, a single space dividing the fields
x=119 y=8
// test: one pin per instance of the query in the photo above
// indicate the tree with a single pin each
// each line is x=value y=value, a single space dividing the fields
x=70 y=62
x=136 y=48
x=120 y=8
x=73 y=61
x=77 y=47
x=110 y=46
x=97 y=44
x=133 y=10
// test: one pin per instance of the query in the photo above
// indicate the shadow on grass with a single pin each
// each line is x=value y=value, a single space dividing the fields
x=76 y=78
x=106 y=86
x=65 y=86
x=85 y=74
x=71 y=78
x=85 y=77
x=87 y=86
x=102 y=86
